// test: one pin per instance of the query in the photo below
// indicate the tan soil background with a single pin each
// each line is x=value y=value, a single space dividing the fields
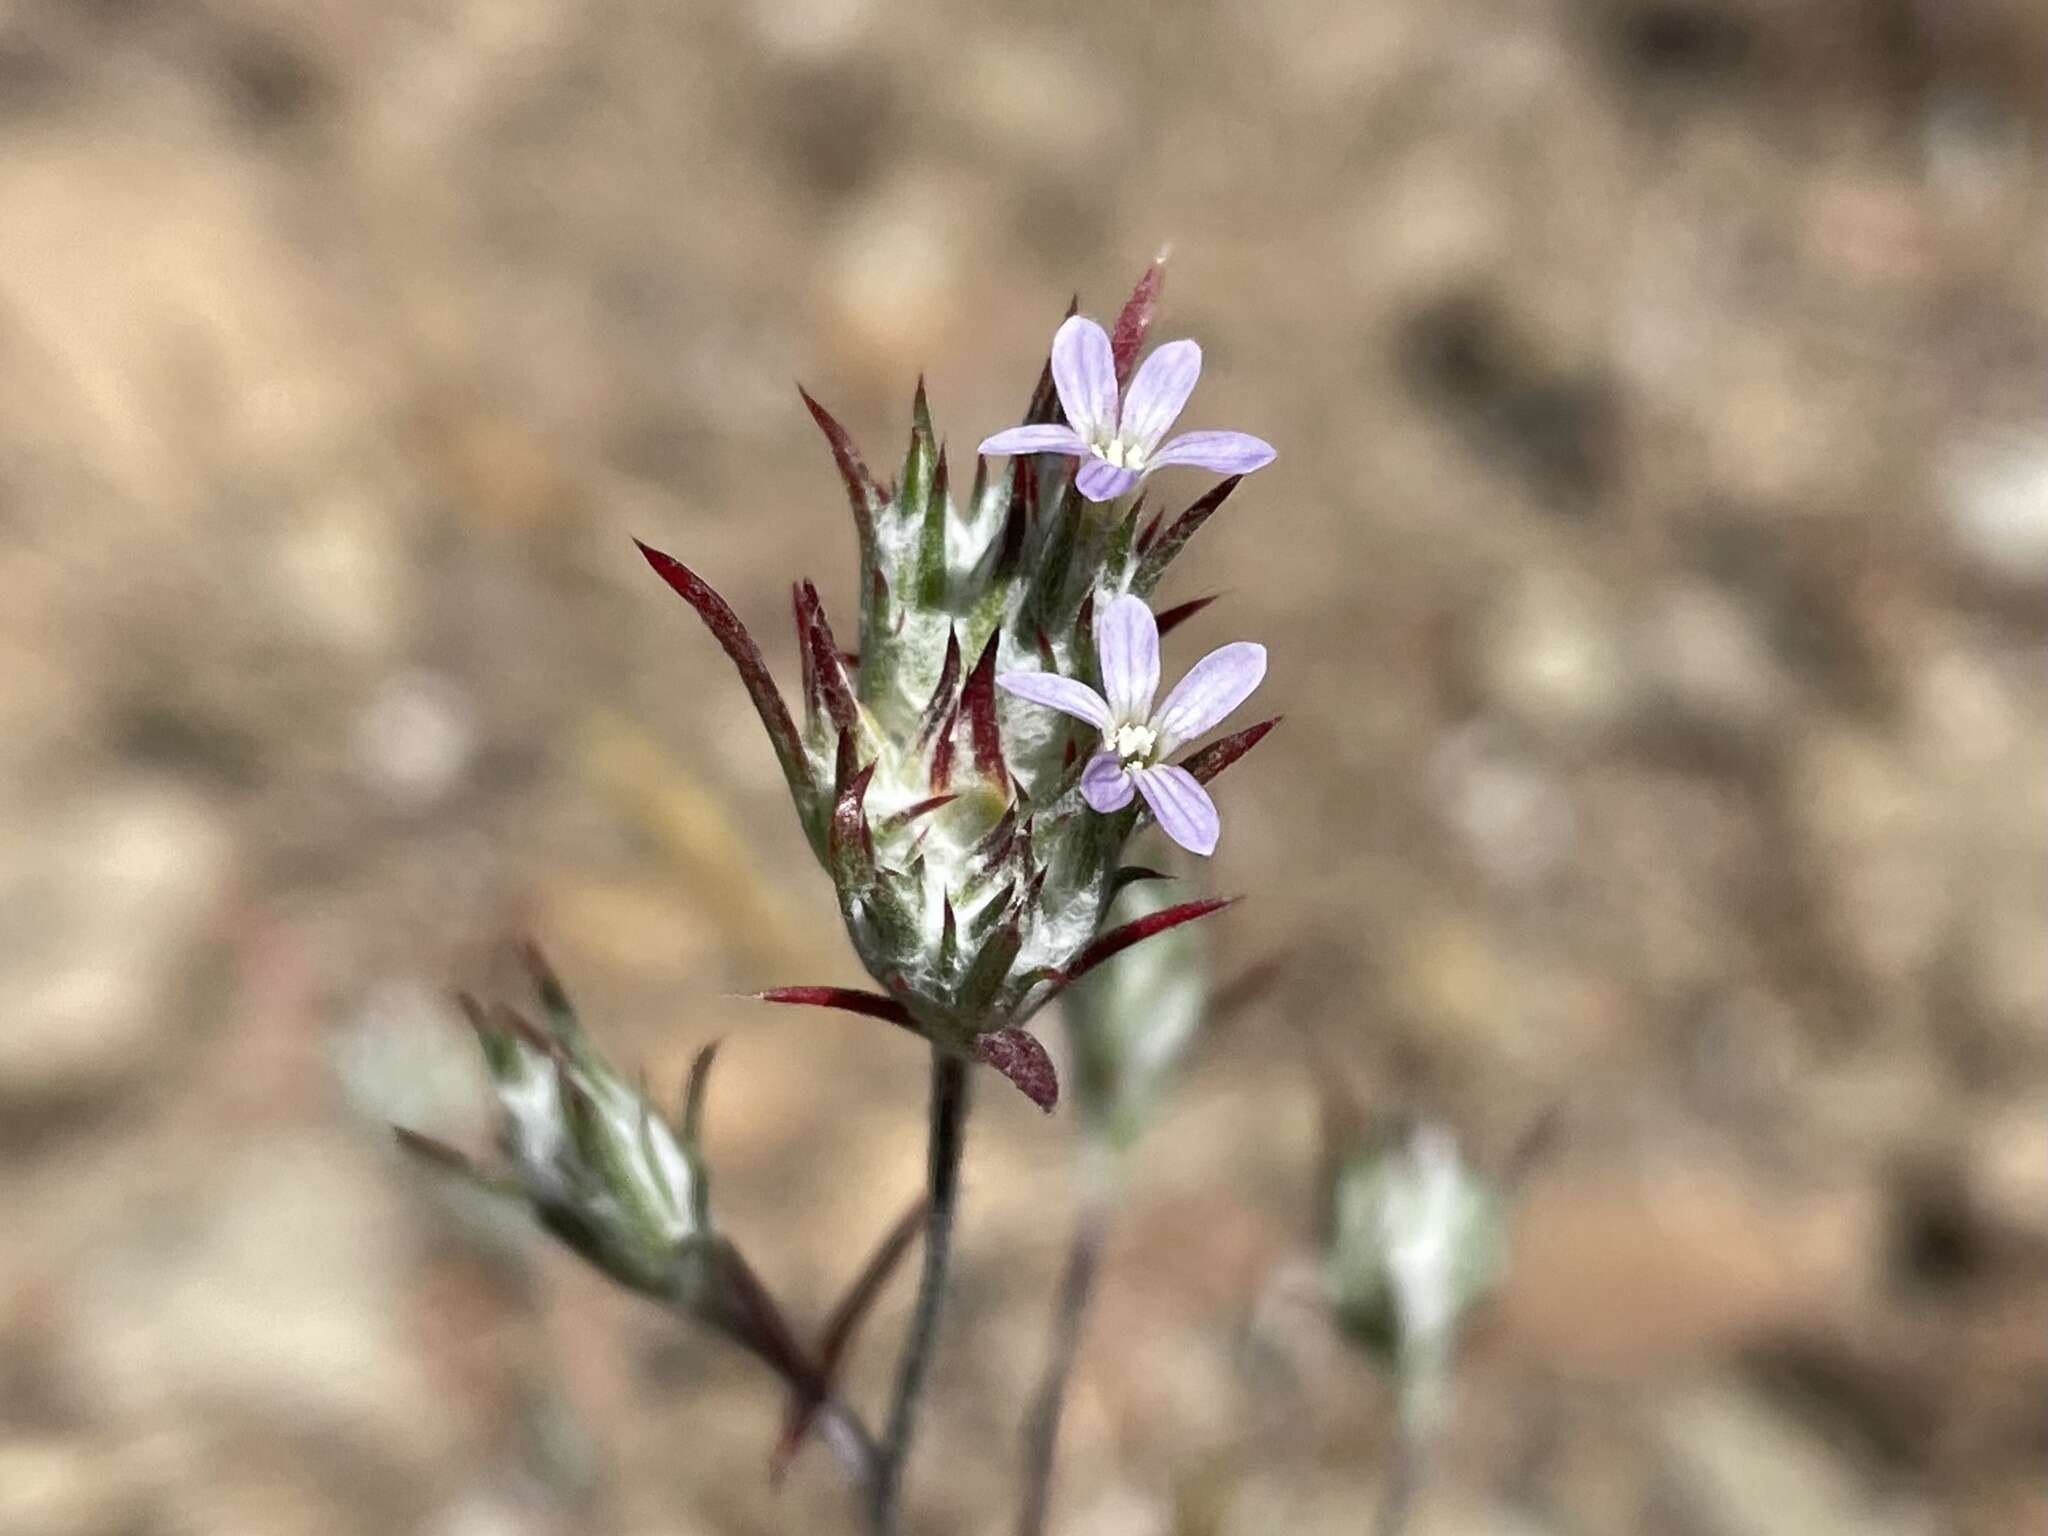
x=1656 y=574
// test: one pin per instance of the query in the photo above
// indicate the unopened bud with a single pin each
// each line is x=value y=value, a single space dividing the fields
x=1416 y=1240
x=1133 y=1018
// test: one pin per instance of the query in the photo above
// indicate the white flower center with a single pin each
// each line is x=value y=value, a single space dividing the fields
x=1123 y=455
x=1134 y=744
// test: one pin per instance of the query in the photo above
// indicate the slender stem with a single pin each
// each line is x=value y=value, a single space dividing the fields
x=947 y=1139
x=849 y=1437
x=1403 y=1483
x=1077 y=1285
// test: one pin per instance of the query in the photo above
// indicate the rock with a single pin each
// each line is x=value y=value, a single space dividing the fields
x=1550 y=658
x=488 y=1510
x=338 y=575
x=1455 y=982
x=109 y=898
x=1616 y=1277
x=1046 y=105
x=1707 y=665
x=270 y=1478
x=276 y=1289
x=51 y=1486
x=1515 y=818
x=416 y=738
x=405 y=1057
x=1880 y=844
x=894 y=274
x=1743 y=1468
x=1966 y=701
x=1299 y=1500
x=2007 y=1167
x=1119 y=1510
x=191 y=265
x=1995 y=496
x=810 y=31
x=2004 y=962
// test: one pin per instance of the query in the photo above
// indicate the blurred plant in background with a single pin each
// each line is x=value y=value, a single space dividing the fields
x=1414 y=1239
x=1128 y=1026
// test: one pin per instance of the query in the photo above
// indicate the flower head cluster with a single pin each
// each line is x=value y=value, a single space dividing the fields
x=975 y=839
x=1120 y=442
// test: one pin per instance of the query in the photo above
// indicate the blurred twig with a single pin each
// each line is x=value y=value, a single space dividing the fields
x=1077 y=1285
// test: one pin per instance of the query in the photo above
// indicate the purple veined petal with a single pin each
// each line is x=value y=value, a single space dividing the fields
x=1106 y=783
x=1127 y=646
x=1183 y=808
x=1100 y=480
x=1084 y=373
x=1228 y=453
x=1045 y=439
x=1065 y=694
x=1214 y=686
x=1157 y=394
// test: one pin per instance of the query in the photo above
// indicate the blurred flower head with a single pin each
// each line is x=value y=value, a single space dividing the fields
x=599 y=1165
x=1415 y=1239
x=1134 y=1018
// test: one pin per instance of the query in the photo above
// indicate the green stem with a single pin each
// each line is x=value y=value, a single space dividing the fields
x=947 y=1140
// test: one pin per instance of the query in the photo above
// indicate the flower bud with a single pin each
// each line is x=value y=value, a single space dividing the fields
x=606 y=1174
x=1415 y=1240
x=1132 y=1019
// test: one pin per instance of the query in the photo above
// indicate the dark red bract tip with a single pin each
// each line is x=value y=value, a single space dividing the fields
x=978 y=704
x=1017 y=1054
x=1172 y=618
x=1127 y=336
x=1159 y=553
x=862 y=493
x=1219 y=755
x=847 y=999
x=738 y=645
x=1136 y=931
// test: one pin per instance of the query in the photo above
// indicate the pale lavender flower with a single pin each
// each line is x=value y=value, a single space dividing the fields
x=1120 y=446
x=1138 y=738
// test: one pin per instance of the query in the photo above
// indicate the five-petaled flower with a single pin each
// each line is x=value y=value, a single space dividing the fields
x=1136 y=738
x=1120 y=446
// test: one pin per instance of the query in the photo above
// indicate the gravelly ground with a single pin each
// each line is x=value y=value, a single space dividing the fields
x=1656 y=571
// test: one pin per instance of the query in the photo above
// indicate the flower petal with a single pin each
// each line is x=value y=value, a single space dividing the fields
x=1068 y=695
x=1100 y=480
x=1127 y=645
x=1157 y=394
x=1228 y=453
x=1214 y=686
x=1043 y=439
x=1084 y=372
x=1106 y=783
x=1184 y=810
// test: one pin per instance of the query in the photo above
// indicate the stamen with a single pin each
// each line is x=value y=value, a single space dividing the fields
x=1134 y=743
